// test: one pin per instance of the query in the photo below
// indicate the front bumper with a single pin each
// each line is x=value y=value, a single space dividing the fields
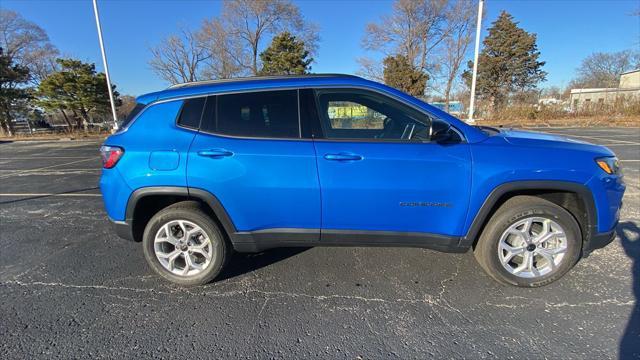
x=598 y=241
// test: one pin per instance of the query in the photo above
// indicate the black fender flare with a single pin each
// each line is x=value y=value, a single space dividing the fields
x=192 y=193
x=486 y=209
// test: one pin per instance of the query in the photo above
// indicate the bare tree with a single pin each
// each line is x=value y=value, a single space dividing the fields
x=370 y=69
x=127 y=103
x=461 y=19
x=27 y=44
x=229 y=45
x=604 y=69
x=226 y=55
x=414 y=29
x=249 y=22
x=178 y=59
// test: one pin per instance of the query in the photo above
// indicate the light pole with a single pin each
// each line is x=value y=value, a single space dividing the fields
x=106 y=67
x=475 y=63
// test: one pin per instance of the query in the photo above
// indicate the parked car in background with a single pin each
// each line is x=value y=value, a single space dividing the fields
x=201 y=169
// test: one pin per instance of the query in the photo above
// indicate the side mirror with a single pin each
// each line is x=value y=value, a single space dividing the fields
x=443 y=135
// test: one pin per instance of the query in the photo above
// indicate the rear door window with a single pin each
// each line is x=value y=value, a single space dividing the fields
x=270 y=114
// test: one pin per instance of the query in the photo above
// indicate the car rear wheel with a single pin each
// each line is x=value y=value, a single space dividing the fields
x=529 y=242
x=184 y=245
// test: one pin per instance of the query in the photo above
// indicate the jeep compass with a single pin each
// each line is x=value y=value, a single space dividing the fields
x=200 y=170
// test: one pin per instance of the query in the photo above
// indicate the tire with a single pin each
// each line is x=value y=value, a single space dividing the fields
x=505 y=235
x=166 y=246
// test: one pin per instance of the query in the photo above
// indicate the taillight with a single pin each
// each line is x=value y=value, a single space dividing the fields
x=110 y=155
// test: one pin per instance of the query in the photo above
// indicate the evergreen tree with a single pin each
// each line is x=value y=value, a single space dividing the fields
x=508 y=63
x=13 y=94
x=402 y=75
x=76 y=88
x=286 y=55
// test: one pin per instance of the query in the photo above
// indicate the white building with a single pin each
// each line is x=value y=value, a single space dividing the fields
x=629 y=88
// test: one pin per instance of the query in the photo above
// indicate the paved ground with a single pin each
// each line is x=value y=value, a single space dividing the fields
x=69 y=288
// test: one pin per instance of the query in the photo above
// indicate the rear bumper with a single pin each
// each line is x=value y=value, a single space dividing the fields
x=123 y=229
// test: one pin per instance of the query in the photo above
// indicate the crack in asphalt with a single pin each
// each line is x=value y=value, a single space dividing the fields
x=614 y=302
x=428 y=300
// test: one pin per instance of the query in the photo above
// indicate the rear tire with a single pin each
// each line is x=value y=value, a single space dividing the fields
x=184 y=245
x=529 y=242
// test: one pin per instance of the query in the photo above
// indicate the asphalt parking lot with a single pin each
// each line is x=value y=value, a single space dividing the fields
x=69 y=288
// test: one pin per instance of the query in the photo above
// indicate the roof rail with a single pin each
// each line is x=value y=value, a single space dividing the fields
x=250 y=78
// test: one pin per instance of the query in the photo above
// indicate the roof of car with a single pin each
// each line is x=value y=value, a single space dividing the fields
x=254 y=83
x=257 y=83
x=254 y=78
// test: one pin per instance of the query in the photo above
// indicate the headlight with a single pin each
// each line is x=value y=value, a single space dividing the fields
x=610 y=165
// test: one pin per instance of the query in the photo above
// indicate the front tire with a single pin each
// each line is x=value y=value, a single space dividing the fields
x=184 y=245
x=529 y=242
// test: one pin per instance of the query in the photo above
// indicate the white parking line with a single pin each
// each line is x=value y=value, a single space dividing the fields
x=620 y=144
x=43 y=168
x=46 y=157
x=606 y=139
x=50 y=194
x=629 y=160
x=54 y=170
x=614 y=135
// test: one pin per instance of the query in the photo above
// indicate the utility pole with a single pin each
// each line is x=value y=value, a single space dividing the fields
x=475 y=63
x=106 y=67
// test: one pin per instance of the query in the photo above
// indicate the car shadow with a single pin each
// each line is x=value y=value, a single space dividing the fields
x=629 y=234
x=243 y=263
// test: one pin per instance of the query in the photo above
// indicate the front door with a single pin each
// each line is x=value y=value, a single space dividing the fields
x=380 y=171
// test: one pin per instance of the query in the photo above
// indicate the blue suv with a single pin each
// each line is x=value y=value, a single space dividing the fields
x=202 y=169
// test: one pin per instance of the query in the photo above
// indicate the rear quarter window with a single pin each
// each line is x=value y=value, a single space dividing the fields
x=132 y=114
x=191 y=113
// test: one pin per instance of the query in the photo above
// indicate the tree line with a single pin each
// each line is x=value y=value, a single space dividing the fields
x=233 y=44
x=35 y=81
x=421 y=47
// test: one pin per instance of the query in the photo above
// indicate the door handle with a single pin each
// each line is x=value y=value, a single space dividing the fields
x=215 y=153
x=343 y=157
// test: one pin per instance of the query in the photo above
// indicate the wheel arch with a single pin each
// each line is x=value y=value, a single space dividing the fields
x=576 y=198
x=145 y=202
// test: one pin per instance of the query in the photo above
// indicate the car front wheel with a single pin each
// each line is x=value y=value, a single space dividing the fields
x=529 y=242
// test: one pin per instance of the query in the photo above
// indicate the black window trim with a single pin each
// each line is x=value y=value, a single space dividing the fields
x=298 y=88
x=210 y=95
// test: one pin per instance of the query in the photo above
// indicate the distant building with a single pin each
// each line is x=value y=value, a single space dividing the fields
x=455 y=107
x=629 y=88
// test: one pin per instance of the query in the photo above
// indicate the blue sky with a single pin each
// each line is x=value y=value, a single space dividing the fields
x=568 y=30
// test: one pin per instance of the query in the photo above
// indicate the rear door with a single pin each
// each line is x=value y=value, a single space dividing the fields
x=380 y=171
x=249 y=153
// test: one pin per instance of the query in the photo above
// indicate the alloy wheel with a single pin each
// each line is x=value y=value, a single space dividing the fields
x=183 y=248
x=532 y=247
